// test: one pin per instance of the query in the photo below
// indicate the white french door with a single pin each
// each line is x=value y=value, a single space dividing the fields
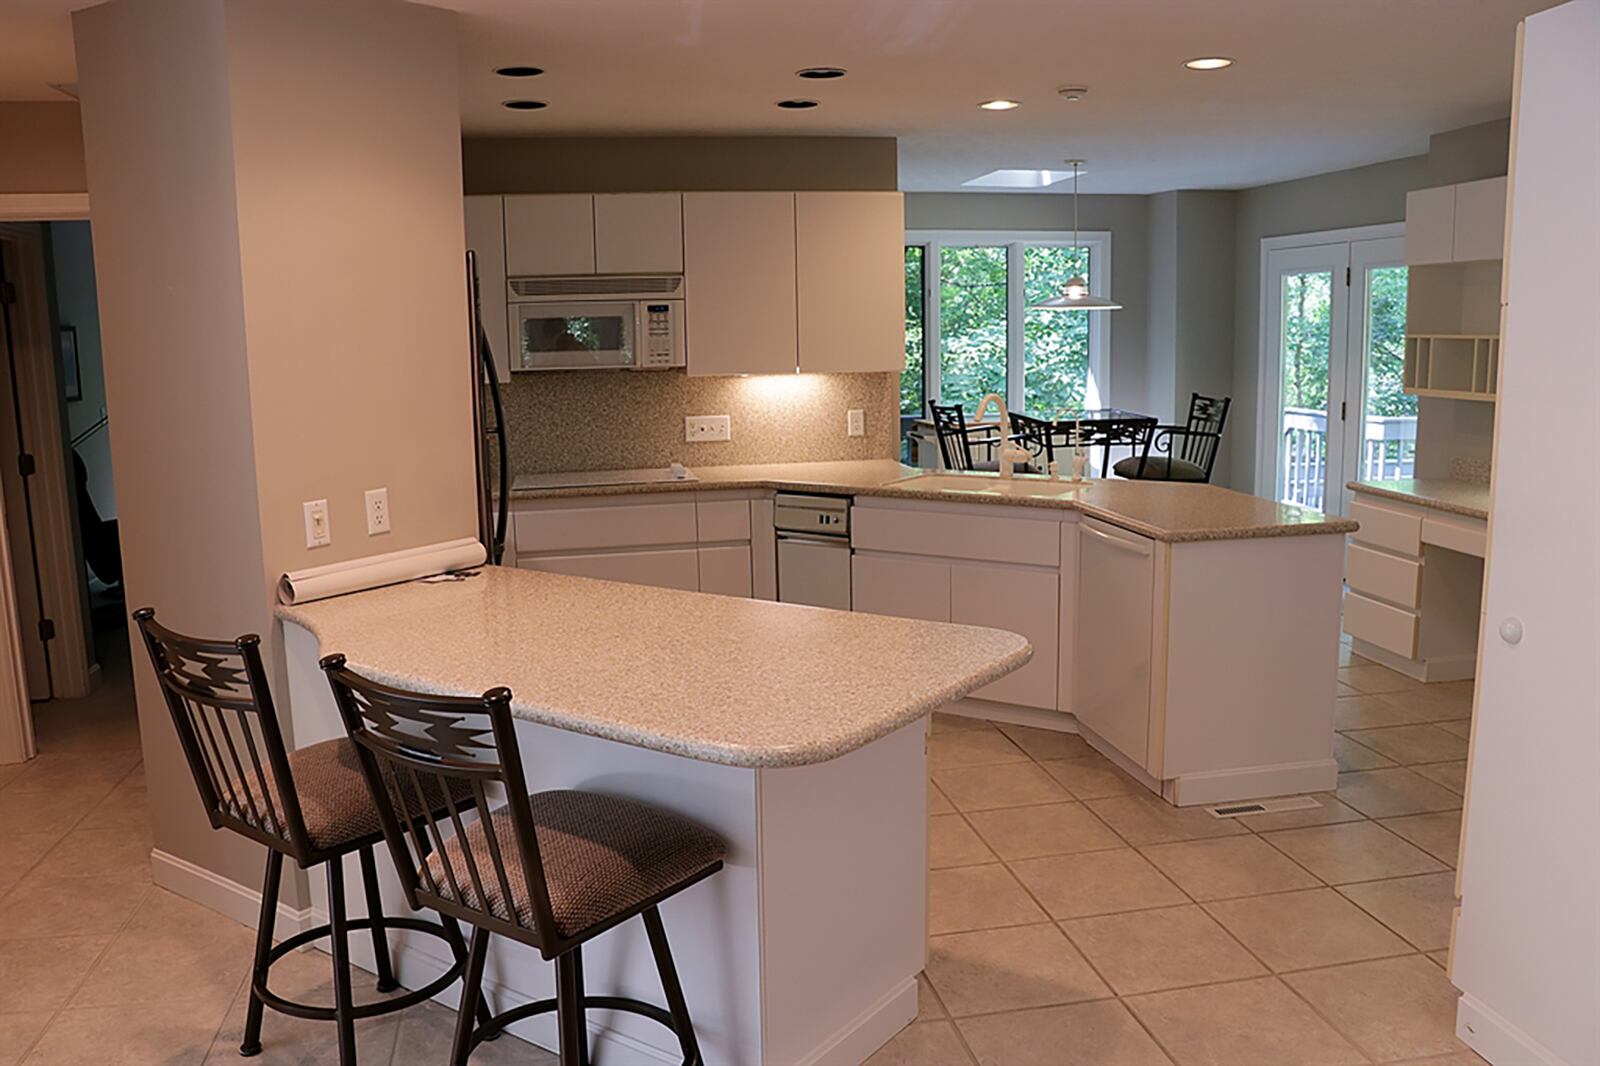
x=1333 y=341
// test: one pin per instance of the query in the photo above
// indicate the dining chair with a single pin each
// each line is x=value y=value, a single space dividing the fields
x=1037 y=436
x=956 y=439
x=1184 y=453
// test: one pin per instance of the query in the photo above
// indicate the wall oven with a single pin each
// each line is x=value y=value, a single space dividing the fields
x=622 y=323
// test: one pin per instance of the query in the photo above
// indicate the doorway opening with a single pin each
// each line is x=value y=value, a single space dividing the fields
x=1333 y=350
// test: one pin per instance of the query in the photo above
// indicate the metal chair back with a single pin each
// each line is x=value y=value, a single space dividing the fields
x=1207 y=416
x=221 y=707
x=423 y=753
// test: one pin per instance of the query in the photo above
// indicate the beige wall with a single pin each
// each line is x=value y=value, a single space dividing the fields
x=649 y=164
x=281 y=307
x=41 y=147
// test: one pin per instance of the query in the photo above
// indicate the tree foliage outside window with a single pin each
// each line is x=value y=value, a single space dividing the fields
x=1386 y=343
x=972 y=324
x=911 y=378
x=1307 y=307
x=1055 y=343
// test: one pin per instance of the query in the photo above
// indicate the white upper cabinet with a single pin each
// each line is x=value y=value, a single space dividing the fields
x=638 y=233
x=1456 y=223
x=550 y=234
x=1430 y=224
x=739 y=281
x=486 y=235
x=850 y=269
x=1480 y=227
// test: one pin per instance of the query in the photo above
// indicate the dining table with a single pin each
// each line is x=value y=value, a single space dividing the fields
x=1100 y=427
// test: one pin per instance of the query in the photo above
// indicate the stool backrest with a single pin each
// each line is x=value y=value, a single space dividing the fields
x=422 y=753
x=221 y=707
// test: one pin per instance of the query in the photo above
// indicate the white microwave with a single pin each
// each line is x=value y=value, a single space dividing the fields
x=556 y=330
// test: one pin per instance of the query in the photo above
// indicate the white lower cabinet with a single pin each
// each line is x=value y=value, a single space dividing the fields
x=673 y=568
x=1115 y=630
x=1022 y=600
x=725 y=570
x=902 y=587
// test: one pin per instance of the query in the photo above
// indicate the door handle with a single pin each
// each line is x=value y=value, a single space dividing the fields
x=1141 y=549
x=1511 y=631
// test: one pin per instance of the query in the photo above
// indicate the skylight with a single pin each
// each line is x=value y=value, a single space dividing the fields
x=1012 y=178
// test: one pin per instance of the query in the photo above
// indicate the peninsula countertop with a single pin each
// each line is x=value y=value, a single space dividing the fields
x=1166 y=511
x=715 y=678
x=1468 y=498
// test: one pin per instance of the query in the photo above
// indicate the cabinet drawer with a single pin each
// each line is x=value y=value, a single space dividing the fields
x=677 y=568
x=1028 y=541
x=723 y=519
x=1390 y=628
x=623 y=526
x=1387 y=527
x=1383 y=576
x=1466 y=535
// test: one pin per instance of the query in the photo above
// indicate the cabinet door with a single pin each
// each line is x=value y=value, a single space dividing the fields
x=1020 y=601
x=1480 y=224
x=550 y=234
x=905 y=588
x=673 y=568
x=1430 y=225
x=486 y=236
x=1115 y=624
x=725 y=570
x=738 y=268
x=638 y=233
x=850 y=277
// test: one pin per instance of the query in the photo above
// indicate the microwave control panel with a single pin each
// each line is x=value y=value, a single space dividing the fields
x=659 y=341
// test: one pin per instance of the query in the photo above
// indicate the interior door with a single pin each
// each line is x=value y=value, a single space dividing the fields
x=1307 y=324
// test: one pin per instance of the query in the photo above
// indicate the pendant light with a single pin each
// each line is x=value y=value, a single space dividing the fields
x=1075 y=295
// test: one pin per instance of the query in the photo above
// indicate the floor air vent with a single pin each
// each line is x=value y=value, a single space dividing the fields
x=1244 y=810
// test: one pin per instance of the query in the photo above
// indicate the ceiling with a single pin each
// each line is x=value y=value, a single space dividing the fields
x=1317 y=87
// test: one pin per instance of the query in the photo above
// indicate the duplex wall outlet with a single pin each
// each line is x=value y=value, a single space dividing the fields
x=856 y=422
x=377 y=511
x=707 y=428
x=318 y=532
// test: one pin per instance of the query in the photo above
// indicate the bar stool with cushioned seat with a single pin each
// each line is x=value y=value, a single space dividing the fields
x=552 y=870
x=311 y=805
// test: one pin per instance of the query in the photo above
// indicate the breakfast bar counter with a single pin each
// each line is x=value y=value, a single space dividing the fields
x=797 y=734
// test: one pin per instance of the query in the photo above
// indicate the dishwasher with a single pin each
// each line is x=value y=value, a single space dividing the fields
x=813 y=549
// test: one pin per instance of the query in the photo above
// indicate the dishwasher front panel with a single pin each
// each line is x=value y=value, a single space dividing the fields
x=814 y=571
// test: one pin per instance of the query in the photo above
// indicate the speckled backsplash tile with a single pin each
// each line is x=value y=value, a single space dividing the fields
x=1473 y=470
x=624 y=420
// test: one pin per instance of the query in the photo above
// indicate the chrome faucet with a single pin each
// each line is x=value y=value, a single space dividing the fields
x=1010 y=454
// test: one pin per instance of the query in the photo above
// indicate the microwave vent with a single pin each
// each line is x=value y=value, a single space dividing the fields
x=598 y=285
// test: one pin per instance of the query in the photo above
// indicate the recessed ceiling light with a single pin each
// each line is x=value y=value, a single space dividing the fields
x=1208 y=63
x=525 y=105
x=1017 y=178
x=999 y=105
x=519 y=72
x=797 y=105
x=820 y=73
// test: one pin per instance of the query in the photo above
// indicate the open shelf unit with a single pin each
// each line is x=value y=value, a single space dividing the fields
x=1457 y=366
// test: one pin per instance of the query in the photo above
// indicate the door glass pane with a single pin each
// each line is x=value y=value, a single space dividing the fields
x=972 y=324
x=1055 y=343
x=1304 y=352
x=1389 y=428
x=911 y=378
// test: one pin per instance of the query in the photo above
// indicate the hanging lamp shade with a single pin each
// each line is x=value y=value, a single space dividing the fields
x=1075 y=294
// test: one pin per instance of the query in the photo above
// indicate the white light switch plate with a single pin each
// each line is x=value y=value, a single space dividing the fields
x=707 y=428
x=377 y=511
x=856 y=421
x=318 y=532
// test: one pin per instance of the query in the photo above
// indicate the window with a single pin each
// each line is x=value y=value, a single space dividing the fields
x=971 y=292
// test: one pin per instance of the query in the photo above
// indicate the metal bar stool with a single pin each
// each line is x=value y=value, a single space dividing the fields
x=311 y=805
x=552 y=870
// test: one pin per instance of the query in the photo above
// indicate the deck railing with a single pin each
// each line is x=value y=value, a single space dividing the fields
x=1389 y=450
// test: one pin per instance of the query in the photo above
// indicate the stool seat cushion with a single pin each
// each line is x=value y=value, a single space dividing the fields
x=334 y=799
x=602 y=855
x=1159 y=468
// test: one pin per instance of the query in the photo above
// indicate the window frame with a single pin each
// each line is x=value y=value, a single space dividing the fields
x=1098 y=242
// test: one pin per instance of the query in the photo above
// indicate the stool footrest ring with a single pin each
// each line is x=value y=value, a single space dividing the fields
x=317 y=1012
x=496 y=1025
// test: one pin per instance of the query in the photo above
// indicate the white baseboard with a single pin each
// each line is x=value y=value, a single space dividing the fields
x=1457 y=668
x=218 y=893
x=868 y=1031
x=1252 y=782
x=1011 y=714
x=1497 y=1040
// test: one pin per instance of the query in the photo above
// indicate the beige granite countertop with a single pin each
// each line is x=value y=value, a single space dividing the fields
x=1469 y=498
x=1165 y=511
x=715 y=678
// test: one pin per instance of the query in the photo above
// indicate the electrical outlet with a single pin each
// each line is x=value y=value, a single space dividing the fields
x=856 y=421
x=377 y=511
x=707 y=427
x=318 y=532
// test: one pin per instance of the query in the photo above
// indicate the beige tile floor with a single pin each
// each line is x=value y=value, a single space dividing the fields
x=1075 y=919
